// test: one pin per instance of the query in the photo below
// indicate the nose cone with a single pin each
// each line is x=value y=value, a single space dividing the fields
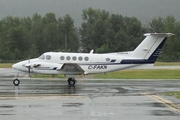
x=20 y=66
x=23 y=65
x=15 y=66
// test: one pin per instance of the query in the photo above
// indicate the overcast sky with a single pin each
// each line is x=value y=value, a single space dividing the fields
x=144 y=10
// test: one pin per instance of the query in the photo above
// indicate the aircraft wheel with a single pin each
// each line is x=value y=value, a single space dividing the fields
x=16 y=82
x=71 y=81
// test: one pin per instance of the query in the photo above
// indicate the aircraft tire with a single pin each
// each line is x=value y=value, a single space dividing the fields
x=16 y=82
x=71 y=81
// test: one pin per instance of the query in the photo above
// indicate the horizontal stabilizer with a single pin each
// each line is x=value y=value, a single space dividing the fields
x=159 y=34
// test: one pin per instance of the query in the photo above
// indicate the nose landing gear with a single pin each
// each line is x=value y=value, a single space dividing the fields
x=71 y=81
x=16 y=81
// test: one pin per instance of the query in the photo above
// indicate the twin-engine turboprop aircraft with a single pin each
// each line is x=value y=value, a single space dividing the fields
x=71 y=64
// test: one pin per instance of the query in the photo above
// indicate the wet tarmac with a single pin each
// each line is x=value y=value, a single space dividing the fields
x=52 y=99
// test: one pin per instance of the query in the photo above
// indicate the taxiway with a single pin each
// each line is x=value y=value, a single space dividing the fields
x=44 y=99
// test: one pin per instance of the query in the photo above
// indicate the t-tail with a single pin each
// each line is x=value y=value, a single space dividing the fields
x=150 y=48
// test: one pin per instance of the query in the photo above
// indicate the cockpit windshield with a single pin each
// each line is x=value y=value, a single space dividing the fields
x=42 y=57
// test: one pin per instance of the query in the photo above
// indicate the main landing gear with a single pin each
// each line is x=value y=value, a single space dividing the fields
x=71 y=81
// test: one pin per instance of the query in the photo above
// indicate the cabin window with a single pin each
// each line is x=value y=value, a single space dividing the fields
x=48 y=57
x=74 y=58
x=68 y=58
x=107 y=59
x=86 y=58
x=62 y=57
x=42 y=57
x=80 y=58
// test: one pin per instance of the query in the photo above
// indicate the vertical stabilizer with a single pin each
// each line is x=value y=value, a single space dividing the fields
x=151 y=46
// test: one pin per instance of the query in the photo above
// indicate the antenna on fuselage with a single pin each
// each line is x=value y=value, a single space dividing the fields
x=91 y=52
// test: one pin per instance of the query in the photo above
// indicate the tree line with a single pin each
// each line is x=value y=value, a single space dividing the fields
x=100 y=30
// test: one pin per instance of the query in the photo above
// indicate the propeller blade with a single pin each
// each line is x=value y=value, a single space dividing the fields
x=29 y=71
x=29 y=66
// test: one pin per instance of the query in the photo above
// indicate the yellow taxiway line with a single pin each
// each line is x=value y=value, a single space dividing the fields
x=167 y=103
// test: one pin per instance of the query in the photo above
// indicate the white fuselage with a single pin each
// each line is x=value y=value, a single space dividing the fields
x=90 y=63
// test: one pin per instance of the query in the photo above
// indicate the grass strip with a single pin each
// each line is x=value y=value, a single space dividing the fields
x=142 y=74
x=167 y=64
x=6 y=65
x=175 y=94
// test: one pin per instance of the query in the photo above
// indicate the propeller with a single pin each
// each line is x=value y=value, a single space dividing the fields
x=29 y=66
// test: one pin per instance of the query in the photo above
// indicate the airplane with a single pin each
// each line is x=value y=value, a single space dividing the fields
x=71 y=64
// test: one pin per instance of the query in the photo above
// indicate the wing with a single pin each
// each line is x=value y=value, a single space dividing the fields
x=72 y=68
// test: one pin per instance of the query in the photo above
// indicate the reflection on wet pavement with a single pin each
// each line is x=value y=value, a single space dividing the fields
x=90 y=99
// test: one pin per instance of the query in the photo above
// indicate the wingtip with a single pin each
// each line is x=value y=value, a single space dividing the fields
x=159 y=34
x=170 y=34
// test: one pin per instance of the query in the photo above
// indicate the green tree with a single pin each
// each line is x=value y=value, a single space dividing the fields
x=93 y=29
x=37 y=33
x=170 y=51
x=50 y=31
x=101 y=30
x=13 y=37
x=33 y=52
x=71 y=40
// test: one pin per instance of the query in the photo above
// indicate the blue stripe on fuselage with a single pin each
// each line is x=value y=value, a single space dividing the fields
x=138 y=61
